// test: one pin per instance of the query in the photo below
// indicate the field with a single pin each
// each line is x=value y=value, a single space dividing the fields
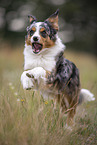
x=26 y=119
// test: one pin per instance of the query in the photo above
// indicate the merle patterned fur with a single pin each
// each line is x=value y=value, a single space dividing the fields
x=65 y=77
x=51 y=31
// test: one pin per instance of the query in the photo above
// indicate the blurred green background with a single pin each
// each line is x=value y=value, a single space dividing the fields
x=77 y=21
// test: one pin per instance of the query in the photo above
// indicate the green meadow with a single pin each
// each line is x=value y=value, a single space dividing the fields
x=27 y=119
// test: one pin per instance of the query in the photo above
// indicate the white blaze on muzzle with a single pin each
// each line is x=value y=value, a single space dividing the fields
x=37 y=32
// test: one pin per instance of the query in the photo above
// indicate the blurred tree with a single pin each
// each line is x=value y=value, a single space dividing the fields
x=77 y=20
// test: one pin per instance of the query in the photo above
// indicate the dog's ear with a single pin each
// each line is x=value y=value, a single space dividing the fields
x=53 y=20
x=31 y=19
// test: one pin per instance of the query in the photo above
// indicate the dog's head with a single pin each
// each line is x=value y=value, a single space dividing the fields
x=42 y=35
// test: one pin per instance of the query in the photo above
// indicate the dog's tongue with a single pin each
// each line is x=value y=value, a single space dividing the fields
x=37 y=47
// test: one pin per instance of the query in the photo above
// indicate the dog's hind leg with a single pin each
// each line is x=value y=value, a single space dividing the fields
x=72 y=111
x=70 y=118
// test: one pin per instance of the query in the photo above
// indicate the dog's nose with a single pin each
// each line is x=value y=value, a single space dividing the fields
x=35 y=38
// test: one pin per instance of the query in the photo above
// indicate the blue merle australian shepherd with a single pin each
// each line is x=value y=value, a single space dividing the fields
x=46 y=69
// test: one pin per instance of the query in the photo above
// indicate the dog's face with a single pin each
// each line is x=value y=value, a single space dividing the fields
x=42 y=35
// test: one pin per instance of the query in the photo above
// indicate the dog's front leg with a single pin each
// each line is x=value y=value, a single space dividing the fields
x=26 y=81
x=31 y=77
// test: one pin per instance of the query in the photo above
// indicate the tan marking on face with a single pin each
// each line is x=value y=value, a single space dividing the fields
x=33 y=29
x=42 y=29
x=46 y=42
x=28 y=42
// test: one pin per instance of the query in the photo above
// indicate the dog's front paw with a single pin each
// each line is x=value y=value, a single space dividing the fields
x=26 y=81
x=37 y=73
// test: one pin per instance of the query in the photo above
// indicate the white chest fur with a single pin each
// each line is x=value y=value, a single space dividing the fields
x=45 y=59
x=32 y=61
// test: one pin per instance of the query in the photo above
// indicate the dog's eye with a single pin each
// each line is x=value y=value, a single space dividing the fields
x=31 y=32
x=43 y=33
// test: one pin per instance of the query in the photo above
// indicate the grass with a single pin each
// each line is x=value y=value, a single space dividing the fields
x=26 y=119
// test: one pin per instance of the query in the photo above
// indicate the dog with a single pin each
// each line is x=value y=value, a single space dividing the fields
x=46 y=69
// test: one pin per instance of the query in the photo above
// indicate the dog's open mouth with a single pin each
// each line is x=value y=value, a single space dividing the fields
x=36 y=47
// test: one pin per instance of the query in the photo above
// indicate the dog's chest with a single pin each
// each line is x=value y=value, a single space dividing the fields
x=45 y=62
